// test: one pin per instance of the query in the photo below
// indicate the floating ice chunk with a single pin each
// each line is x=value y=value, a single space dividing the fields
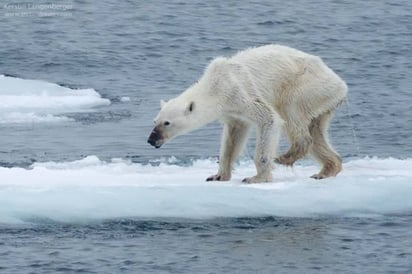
x=36 y=101
x=90 y=189
x=125 y=99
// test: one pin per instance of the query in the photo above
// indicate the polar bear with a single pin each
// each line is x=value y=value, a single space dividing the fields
x=272 y=87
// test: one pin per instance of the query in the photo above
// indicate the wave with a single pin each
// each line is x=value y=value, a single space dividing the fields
x=36 y=101
x=92 y=189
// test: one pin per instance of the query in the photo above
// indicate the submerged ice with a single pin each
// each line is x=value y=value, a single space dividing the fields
x=33 y=101
x=91 y=189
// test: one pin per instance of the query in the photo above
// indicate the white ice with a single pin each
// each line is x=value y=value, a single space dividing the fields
x=91 y=189
x=35 y=101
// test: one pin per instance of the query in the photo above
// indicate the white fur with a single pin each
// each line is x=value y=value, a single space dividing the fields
x=272 y=87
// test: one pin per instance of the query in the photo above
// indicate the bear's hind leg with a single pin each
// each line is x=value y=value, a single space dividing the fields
x=234 y=137
x=300 y=140
x=321 y=150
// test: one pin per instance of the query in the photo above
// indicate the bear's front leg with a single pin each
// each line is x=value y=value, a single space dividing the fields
x=233 y=139
x=267 y=140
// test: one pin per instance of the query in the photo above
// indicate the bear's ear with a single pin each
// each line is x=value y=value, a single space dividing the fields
x=162 y=103
x=190 y=107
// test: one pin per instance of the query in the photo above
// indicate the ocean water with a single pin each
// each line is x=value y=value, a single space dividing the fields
x=82 y=192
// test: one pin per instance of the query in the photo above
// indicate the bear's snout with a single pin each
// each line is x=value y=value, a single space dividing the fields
x=155 y=139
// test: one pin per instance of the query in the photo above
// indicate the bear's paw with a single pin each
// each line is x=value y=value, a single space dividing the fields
x=218 y=177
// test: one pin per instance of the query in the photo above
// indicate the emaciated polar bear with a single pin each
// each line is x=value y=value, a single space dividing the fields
x=272 y=87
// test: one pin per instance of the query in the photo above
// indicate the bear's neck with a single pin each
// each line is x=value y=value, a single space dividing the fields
x=206 y=105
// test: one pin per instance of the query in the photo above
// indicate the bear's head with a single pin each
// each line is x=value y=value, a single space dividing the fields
x=197 y=106
x=176 y=117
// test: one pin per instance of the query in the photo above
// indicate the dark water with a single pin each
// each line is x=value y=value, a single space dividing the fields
x=153 y=50
x=243 y=245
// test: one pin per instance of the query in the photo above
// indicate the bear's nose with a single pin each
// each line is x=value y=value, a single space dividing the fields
x=154 y=139
x=151 y=141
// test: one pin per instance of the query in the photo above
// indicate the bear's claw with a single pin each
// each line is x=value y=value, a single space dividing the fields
x=248 y=180
x=256 y=179
x=318 y=176
x=213 y=178
x=219 y=177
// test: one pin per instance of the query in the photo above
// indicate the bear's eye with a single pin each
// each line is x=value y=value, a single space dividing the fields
x=167 y=123
x=191 y=106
